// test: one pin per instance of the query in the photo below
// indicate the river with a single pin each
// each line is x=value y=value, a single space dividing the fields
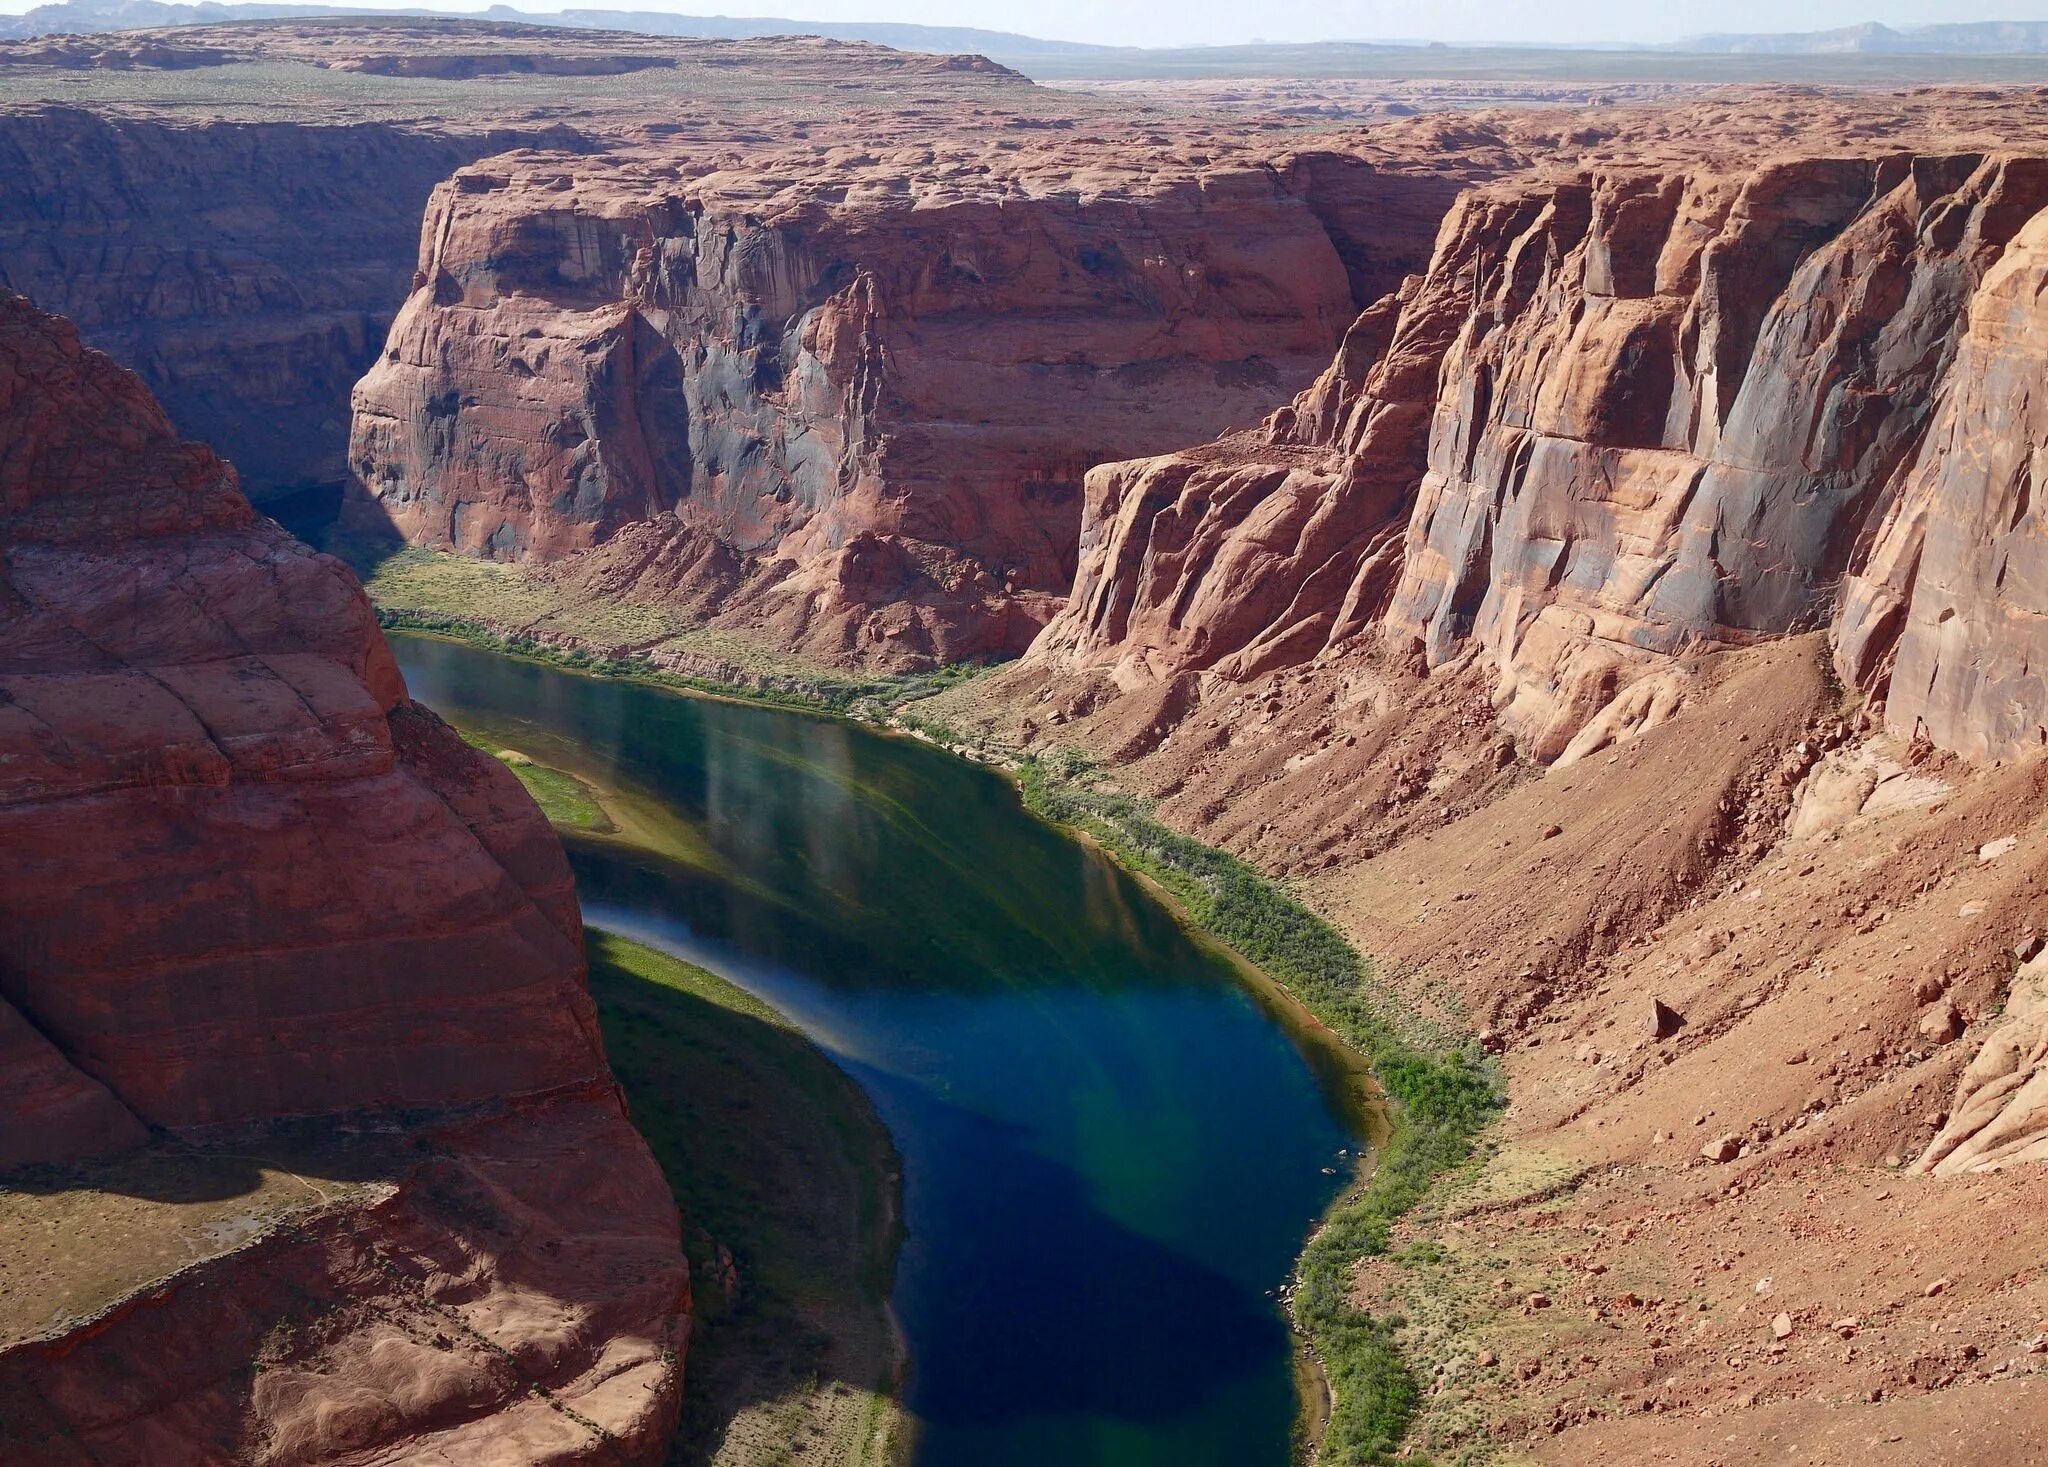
x=1113 y=1145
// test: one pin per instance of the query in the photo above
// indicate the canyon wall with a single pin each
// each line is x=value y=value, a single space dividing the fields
x=247 y=271
x=246 y=879
x=1630 y=642
x=844 y=398
x=234 y=211
x=1945 y=614
x=1623 y=418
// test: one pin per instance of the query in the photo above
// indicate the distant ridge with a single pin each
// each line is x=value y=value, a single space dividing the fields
x=86 y=17
x=1964 y=38
x=1959 y=42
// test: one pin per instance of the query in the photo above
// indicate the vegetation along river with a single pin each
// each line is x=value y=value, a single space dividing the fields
x=1112 y=1145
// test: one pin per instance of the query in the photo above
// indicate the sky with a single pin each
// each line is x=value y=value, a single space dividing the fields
x=1229 y=22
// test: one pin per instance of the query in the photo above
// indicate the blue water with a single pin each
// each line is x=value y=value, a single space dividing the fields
x=1112 y=1149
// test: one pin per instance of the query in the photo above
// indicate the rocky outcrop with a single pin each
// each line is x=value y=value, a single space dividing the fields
x=507 y=1299
x=852 y=393
x=211 y=762
x=1623 y=418
x=244 y=878
x=1999 y=1116
x=246 y=270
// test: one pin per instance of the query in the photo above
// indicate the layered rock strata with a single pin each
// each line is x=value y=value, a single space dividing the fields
x=244 y=244
x=1944 y=617
x=1623 y=417
x=244 y=878
x=851 y=394
x=1629 y=642
x=247 y=271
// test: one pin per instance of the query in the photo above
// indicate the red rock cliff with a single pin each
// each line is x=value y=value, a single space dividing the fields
x=1624 y=416
x=243 y=878
x=243 y=249
x=246 y=270
x=1945 y=614
x=849 y=396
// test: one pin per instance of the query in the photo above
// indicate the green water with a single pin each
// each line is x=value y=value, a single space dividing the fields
x=1112 y=1147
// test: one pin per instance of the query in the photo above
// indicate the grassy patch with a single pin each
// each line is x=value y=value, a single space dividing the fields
x=1440 y=1097
x=566 y=800
x=505 y=609
x=787 y=1184
x=865 y=698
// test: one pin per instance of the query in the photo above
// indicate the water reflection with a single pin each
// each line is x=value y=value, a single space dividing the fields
x=1111 y=1151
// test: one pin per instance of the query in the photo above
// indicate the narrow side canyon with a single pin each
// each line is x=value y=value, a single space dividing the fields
x=1588 y=552
x=247 y=271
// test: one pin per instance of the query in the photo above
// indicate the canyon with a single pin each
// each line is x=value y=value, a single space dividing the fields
x=1629 y=642
x=843 y=398
x=251 y=883
x=235 y=212
x=1588 y=552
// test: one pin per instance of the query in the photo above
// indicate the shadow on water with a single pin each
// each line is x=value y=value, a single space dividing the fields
x=742 y=1116
x=785 y=1181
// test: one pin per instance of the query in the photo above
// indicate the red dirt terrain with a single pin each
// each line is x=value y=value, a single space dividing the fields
x=248 y=881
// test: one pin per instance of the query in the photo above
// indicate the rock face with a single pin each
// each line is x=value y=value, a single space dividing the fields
x=849 y=394
x=244 y=250
x=1946 y=614
x=247 y=271
x=1999 y=1116
x=243 y=878
x=1676 y=467
x=509 y=1301
x=1624 y=417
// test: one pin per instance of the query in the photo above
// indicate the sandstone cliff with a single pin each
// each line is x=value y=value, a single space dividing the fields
x=1623 y=416
x=1944 y=615
x=246 y=271
x=245 y=879
x=1629 y=641
x=244 y=248
x=846 y=397
x=1742 y=952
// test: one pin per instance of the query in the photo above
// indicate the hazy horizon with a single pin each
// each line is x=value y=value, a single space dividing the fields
x=1223 y=22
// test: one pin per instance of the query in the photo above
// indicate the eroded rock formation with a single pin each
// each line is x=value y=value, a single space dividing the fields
x=245 y=251
x=247 y=271
x=1999 y=1116
x=1945 y=615
x=1622 y=418
x=243 y=878
x=853 y=393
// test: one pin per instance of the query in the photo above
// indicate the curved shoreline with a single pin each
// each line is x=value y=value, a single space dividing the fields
x=882 y=1433
x=663 y=1017
x=1360 y=1216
